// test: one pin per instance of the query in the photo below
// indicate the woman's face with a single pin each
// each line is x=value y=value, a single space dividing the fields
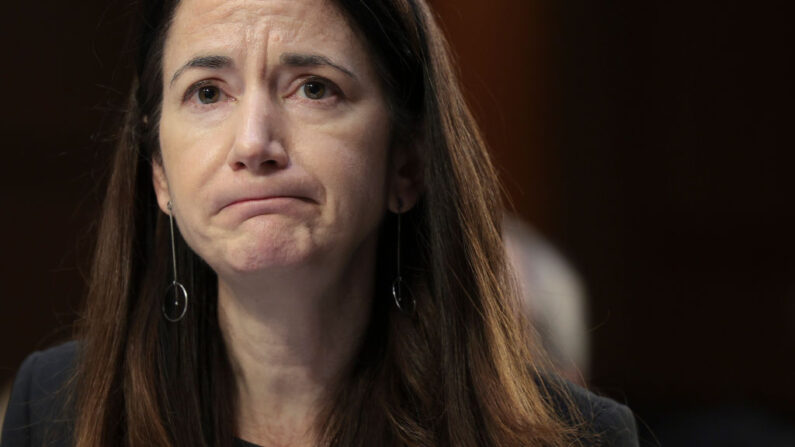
x=274 y=134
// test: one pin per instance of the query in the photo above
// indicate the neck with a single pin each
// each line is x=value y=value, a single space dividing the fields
x=290 y=340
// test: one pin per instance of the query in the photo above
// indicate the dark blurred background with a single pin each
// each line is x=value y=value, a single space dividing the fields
x=649 y=140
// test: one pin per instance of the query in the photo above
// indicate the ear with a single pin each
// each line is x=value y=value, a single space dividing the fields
x=406 y=177
x=160 y=183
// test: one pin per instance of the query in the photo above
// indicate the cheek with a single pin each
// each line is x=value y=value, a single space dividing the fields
x=351 y=158
x=190 y=155
x=191 y=158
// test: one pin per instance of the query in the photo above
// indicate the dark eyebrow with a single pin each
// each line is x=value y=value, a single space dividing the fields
x=312 y=60
x=211 y=62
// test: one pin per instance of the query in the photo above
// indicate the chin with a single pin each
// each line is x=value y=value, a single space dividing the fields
x=266 y=252
x=250 y=261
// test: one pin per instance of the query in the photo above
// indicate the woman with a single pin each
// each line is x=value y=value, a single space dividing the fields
x=300 y=246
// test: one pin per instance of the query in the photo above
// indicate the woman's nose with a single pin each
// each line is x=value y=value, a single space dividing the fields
x=257 y=146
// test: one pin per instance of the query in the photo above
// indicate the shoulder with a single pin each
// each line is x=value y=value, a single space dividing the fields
x=38 y=408
x=610 y=423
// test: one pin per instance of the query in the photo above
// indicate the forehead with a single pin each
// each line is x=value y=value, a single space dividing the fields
x=243 y=25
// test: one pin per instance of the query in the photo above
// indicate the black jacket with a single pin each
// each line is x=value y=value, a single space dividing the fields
x=39 y=412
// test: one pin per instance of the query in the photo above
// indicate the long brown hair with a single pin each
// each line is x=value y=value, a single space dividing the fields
x=458 y=372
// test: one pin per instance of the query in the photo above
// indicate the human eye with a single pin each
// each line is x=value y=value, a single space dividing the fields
x=318 y=89
x=204 y=93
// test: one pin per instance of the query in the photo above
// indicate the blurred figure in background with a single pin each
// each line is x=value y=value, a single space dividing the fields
x=5 y=393
x=554 y=298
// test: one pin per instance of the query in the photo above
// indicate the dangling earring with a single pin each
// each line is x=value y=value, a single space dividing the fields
x=175 y=303
x=405 y=305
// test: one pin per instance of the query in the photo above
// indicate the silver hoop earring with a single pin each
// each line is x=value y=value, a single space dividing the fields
x=175 y=303
x=404 y=304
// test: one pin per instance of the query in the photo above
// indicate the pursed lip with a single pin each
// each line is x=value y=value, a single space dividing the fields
x=243 y=196
x=247 y=207
x=265 y=198
x=274 y=195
